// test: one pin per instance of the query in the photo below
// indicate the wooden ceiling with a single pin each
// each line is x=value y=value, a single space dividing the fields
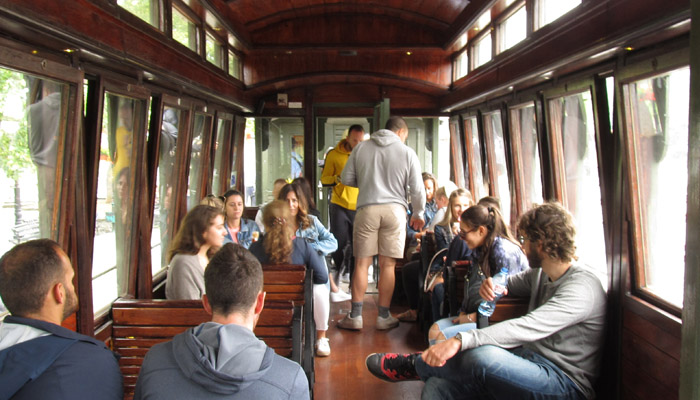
x=349 y=23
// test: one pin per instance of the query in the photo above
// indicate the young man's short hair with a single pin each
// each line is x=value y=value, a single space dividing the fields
x=395 y=124
x=356 y=127
x=553 y=226
x=233 y=279
x=27 y=272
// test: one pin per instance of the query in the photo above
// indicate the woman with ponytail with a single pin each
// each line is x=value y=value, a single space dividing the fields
x=494 y=247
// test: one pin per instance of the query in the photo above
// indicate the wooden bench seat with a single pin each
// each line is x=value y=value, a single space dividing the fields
x=507 y=308
x=292 y=282
x=140 y=324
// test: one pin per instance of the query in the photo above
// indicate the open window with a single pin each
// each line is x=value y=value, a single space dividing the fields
x=655 y=102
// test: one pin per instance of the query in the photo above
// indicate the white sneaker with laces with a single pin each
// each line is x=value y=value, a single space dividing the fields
x=340 y=296
x=323 y=347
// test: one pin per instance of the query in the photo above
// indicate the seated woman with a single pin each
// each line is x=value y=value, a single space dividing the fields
x=238 y=230
x=279 y=245
x=199 y=237
x=322 y=240
x=485 y=232
x=413 y=273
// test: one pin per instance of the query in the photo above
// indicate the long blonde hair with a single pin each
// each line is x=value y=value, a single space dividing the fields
x=278 y=232
x=461 y=192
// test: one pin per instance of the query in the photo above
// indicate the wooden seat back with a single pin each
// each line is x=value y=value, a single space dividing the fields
x=507 y=308
x=140 y=324
x=293 y=282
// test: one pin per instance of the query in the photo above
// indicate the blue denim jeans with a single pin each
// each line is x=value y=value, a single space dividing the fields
x=491 y=372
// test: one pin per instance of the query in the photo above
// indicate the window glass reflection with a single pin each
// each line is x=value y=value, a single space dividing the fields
x=122 y=118
x=280 y=147
x=472 y=132
x=658 y=108
x=524 y=128
x=494 y=129
x=33 y=118
x=166 y=176
x=222 y=131
x=202 y=126
x=572 y=118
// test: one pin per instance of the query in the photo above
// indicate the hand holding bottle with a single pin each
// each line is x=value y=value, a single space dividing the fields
x=492 y=290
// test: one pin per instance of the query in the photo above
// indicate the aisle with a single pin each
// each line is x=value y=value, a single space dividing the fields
x=343 y=375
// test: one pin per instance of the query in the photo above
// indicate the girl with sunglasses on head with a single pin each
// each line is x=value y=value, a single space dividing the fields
x=493 y=247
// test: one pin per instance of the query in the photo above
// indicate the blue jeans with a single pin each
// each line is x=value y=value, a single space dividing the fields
x=491 y=372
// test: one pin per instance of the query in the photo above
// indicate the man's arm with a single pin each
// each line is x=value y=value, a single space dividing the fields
x=570 y=305
x=415 y=181
x=329 y=175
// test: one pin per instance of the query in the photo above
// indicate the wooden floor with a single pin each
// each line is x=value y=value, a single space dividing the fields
x=343 y=375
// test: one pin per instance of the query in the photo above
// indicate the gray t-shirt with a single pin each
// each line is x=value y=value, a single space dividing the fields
x=185 y=278
x=565 y=322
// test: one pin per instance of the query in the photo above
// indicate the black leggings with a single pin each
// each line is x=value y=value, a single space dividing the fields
x=342 y=221
x=412 y=282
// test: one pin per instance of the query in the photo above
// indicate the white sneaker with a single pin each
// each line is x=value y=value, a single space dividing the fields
x=323 y=347
x=340 y=296
x=370 y=275
x=387 y=323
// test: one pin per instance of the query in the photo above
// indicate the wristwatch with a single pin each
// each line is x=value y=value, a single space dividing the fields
x=458 y=336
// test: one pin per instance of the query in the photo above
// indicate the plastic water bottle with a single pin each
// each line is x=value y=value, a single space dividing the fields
x=500 y=282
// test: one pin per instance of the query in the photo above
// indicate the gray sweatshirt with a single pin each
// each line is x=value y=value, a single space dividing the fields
x=565 y=322
x=386 y=171
x=216 y=361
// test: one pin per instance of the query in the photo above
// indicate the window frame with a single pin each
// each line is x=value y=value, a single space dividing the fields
x=65 y=216
x=195 y=19
x=131 y=90
x=490 y=150
x=652 y=66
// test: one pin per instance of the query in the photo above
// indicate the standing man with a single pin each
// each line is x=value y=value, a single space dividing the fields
x=552 y=352
x=223 y=359
x=386 y=172
x=39 y=359
x=343 y=203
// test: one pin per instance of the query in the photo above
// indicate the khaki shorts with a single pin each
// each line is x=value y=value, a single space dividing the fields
x=380 y=229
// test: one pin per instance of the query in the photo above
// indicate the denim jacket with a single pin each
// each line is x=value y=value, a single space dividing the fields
x=245 y=234
x=320 y=238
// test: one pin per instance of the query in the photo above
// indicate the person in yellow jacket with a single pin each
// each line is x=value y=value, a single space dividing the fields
x=343 y=204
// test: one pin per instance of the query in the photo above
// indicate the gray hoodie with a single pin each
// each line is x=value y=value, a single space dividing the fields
x=386 y=171
x=218 y=361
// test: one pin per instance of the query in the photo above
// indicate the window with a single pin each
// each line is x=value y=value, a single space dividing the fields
x=514 y=29
x=482 y=51
x=223 y=132
x=234 y=65
x=473 y=143
x=198 y=151
x=279 y=145
x=147 y=10
x=33 y=117
x=493 y=128
x=656 y=119
x=185 y=31
x=166 y=177
x=523 y=127
x=214 y=51
x=123 y=124
x=571 y=122
x=551 y=10
x=462 y=65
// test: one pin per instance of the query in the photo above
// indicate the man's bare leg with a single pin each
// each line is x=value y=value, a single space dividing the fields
x=359 y=279
x=386 y=280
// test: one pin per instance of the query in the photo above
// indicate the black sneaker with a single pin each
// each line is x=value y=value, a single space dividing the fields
x=393 y=367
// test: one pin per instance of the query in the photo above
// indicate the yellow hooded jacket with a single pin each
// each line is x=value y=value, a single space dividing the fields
x=344 y=196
